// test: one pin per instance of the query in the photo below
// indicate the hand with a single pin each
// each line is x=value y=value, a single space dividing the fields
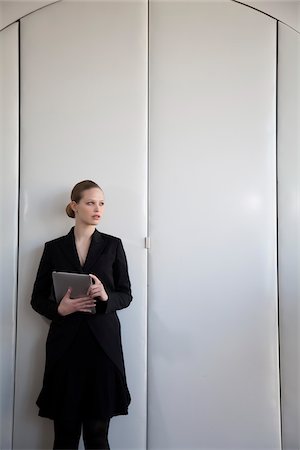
x=97 y=289
x=70 y=305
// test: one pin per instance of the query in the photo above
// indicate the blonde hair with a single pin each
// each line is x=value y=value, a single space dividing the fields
x=76 y=194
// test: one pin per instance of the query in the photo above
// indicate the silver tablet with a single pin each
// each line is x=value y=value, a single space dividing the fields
x=79 y=282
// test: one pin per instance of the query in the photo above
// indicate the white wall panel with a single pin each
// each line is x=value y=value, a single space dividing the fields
x=9 y=163
x=12 y=10
x=213 y=344
x=288 y=230
x=287 y=11
x=84 y=80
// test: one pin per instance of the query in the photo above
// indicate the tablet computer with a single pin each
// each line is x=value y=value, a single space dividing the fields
x=78 y=282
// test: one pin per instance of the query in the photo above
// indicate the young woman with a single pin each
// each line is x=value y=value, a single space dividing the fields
x=84 y=381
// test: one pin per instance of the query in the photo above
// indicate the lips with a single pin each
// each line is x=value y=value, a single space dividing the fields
x=96 y=217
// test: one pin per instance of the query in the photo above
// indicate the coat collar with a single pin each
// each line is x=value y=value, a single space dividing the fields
x=96 y=247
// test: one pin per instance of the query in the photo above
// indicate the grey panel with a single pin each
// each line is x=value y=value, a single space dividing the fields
x=9 y=163
x=84 y=69
x=288 y=230
x=213 y=333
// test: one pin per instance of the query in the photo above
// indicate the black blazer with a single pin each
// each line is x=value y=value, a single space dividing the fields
x=106 y=259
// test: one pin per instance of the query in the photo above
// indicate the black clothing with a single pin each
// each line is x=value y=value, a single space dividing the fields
x=84 y=373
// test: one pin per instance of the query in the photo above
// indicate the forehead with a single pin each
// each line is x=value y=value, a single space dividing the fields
x=92 y=194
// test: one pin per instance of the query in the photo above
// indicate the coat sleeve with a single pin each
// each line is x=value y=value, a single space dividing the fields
x=120 y=297
x=42 y=299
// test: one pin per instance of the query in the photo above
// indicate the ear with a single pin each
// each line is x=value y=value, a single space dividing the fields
x=73 y=205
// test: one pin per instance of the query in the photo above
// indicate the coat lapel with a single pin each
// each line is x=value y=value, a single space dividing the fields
x=69 y=249
x=95 y=250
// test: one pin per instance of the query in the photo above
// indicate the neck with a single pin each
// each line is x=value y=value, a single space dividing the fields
x=83 y=232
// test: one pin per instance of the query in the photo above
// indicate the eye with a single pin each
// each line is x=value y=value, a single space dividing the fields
x=90 y=203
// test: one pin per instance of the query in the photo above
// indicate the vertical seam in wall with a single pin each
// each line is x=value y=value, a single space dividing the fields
x=18 y=230
x=277 y=237
x=148 y=217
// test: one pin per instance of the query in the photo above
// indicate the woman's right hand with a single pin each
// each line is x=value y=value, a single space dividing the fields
x=70 y=305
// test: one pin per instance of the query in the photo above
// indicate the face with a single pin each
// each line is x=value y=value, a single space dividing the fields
x=90 y=208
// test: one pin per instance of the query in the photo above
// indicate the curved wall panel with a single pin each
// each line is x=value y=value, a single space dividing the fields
x=213 y=362
x=213 y=332
x=288 y=231
x=9 y=173
x=83 y=92
x=287 y=11
x=13 y=10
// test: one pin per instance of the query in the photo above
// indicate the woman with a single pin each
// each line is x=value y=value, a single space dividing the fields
x=84 y=381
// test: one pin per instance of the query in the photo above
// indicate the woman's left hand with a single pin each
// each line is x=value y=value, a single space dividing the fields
x=97 y=289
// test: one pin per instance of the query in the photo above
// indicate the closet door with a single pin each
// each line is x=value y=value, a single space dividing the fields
x=9 y=167
x=83 y=115
x=288 y=230
x=213 y=325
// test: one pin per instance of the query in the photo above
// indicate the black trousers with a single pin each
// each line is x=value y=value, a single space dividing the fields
x=94 y=432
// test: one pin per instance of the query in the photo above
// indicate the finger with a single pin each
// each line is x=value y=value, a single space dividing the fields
x=96 y=294
x=68 y=293
x=96 y=287
x=91 y=302
x=97 y=281
x=87 y=304
x=80 y=299
x=95 y=291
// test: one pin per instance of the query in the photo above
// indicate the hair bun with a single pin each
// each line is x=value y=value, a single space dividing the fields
x=70 y=211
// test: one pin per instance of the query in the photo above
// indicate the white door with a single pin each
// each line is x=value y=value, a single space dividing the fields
x=213 y=372
x=9 y=167
x=212 y=314
x=83 y=116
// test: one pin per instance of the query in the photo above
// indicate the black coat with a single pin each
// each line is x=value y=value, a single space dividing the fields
x=106 y=259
